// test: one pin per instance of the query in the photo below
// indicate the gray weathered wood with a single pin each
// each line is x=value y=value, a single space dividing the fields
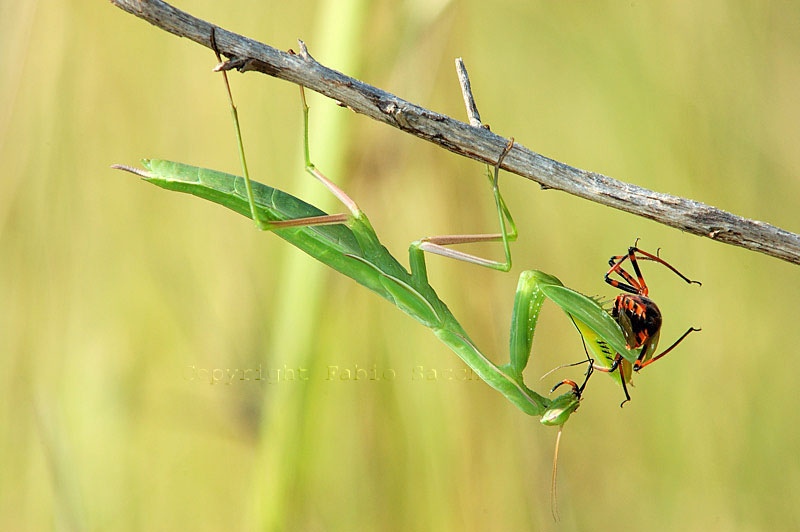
x=466 y=90
x=475 y=142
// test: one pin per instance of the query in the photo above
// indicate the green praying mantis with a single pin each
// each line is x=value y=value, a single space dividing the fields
x=348 y=243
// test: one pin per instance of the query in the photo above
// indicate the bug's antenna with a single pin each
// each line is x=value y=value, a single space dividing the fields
x=589 y=359
x=562 y=366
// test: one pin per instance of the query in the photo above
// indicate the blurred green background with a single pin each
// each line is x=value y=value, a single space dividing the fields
x=119 y=299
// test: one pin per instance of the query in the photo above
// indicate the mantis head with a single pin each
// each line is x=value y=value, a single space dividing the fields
x=561 y=408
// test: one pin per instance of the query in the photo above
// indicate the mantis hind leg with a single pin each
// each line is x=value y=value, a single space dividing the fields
x=311 y=169
x=264 y=225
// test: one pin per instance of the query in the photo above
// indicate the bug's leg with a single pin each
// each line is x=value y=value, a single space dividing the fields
x=632 y=285
x=588 y=359
x=638 y=365
x=624 y=386
x=588 y=374
x=632 y=256
x=616 y=365
x=573 y=384
x=615 y=258
x=628 y=277
x=656 y=258
x=613 y=367
x=577 y=390
x=642 y=353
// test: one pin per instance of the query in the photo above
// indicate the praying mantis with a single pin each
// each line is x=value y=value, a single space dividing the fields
x=348 y=243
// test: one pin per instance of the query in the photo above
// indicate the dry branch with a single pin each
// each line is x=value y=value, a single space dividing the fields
x=475 y=142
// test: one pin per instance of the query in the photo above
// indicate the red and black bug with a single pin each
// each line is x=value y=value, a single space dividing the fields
x=637 y=315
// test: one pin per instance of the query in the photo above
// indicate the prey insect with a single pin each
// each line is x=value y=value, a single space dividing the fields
x=638 y=319
x=637 y=315
x=348 y=243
